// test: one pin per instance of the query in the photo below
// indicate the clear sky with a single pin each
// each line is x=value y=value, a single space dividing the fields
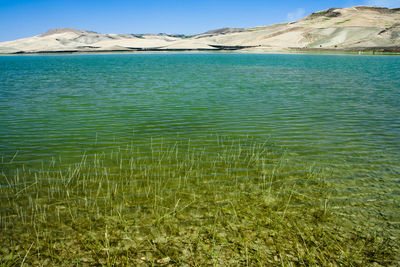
x=24 y=18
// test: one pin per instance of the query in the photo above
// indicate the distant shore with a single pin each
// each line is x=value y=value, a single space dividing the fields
x=363 y=51
x=354 y=30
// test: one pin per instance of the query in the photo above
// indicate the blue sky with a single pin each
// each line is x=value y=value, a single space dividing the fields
x=24 y=18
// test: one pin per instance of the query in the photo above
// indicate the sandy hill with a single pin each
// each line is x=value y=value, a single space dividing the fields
x=353 y=28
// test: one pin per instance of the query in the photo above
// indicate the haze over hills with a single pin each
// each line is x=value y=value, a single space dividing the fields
x=353 y=28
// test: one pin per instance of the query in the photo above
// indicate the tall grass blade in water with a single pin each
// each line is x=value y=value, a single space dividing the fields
x=235 y=202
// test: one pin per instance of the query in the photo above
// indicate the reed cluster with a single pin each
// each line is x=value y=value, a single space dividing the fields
x=229 y=202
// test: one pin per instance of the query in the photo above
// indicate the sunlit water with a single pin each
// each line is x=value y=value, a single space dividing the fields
x=338 y=113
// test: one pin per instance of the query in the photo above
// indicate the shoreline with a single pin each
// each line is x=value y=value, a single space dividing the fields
x=211 y=51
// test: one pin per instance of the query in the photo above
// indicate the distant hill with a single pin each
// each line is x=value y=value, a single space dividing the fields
x=353 y=28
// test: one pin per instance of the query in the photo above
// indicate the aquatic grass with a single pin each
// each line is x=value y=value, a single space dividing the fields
x=229 y=201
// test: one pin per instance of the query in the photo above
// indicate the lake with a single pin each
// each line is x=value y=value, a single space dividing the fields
x=337 y=114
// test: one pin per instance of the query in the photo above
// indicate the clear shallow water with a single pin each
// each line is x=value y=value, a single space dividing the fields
x=341 y=113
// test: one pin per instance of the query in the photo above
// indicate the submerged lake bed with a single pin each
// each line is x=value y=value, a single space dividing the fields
x=225 y=159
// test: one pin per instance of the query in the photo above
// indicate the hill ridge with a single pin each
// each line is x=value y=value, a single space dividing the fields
x=352 y=28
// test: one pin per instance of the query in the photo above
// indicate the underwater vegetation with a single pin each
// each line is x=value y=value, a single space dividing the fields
x=229 y=202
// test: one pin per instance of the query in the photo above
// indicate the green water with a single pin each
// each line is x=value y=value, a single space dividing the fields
x=337 y=113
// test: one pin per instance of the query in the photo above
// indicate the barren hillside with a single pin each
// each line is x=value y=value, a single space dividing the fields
x=354 y=28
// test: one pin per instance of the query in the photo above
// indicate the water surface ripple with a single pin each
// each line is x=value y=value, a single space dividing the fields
x=339 y=112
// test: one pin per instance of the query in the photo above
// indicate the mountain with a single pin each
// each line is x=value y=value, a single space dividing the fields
x=354 y=28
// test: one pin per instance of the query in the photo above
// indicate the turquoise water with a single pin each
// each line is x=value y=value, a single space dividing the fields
x=339 y=113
